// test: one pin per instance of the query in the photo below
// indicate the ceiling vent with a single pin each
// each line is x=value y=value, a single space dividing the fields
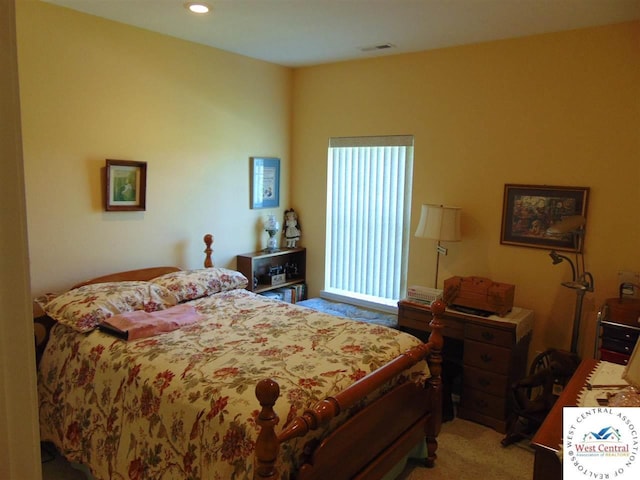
x=383 y=46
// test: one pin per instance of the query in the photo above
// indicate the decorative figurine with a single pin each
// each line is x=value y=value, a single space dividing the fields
x=292 y=229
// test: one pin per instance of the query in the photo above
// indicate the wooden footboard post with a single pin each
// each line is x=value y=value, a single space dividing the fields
x=434 y=359
x=267 y=445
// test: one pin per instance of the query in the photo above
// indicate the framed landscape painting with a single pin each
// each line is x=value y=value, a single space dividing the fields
x=528 y=212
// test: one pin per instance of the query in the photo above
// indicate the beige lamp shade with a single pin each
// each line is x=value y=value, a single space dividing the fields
x=439 y=223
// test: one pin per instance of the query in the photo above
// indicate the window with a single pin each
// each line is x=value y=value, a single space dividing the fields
x=368 y=215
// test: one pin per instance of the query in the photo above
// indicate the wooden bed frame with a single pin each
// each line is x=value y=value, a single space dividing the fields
x=384 y=431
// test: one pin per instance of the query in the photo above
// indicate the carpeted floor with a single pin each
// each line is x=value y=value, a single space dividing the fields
x=468 y=451
x=351 y=311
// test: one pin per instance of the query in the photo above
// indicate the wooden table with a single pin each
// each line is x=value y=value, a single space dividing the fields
x=548 y=439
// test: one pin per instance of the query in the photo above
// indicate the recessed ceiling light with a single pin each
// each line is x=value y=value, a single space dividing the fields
x=197 y=7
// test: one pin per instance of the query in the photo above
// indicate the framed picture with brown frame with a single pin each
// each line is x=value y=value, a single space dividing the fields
x=528 y=211
x=126 y=185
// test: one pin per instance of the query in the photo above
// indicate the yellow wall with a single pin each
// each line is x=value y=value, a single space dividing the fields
x=556 y=109
x=559 y=109
x=92 y=89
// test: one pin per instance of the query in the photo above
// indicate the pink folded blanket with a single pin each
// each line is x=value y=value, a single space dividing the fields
x=141 y=324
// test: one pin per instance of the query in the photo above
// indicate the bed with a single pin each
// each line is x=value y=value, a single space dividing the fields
x=248 y=388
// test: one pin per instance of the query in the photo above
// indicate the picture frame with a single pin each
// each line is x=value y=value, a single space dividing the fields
x=126 y=185
x=529 y=210
x=265 y=182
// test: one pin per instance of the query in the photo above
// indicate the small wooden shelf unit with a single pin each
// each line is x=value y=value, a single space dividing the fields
x=255 y=266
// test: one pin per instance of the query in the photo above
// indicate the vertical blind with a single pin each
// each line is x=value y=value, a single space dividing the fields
x=368 y=211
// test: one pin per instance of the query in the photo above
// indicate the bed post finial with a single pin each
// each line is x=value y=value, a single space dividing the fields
x=435 y=338
x=208 y=240
x=267 y=445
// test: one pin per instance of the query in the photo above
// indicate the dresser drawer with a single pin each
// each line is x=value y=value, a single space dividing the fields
x=491 y=335
x=620 y=333
x=483 y=403
x=486 y=357
x=453 y=327
x=613 y=357
x=485 y=381
x=616 y=345
x=418 y=319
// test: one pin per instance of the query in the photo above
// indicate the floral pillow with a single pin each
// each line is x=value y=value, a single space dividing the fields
x=40 y=302
x=85 y=307
x=192 y=284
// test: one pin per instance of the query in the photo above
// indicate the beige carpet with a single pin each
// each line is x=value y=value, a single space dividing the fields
x=468 y=451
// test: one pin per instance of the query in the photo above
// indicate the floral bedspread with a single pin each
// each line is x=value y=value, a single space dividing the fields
x=182 y=404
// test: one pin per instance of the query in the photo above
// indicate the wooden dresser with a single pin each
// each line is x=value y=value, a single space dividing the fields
x=618 y=329
x=493 y=356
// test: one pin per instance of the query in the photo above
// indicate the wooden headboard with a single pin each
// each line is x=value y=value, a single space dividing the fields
x=141 y=275
x=43 y=323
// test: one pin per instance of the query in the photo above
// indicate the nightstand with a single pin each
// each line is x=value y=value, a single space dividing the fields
x=491 y=351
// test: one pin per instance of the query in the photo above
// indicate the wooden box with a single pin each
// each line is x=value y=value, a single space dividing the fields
x=479 y=293
x=624 y=310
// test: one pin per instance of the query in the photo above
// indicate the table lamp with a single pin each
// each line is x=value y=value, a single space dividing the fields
x=271 y=226
x=440 y=223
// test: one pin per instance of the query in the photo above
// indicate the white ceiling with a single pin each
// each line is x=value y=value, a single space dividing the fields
x=307 y=32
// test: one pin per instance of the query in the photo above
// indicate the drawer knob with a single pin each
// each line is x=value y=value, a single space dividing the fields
x=488 y=336
x=485 y=357
x=484 y=382
x=482 y=403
